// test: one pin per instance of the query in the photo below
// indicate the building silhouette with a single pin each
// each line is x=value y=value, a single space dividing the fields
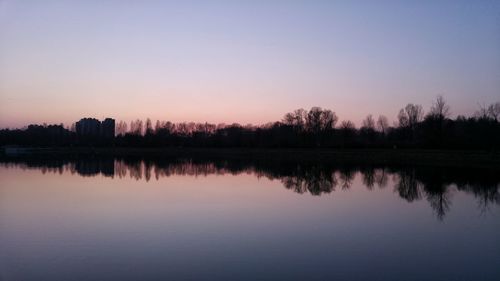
x=108 y=128
x=88 y=127
x=91 y=127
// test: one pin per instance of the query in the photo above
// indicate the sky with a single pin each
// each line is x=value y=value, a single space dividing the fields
x=243 y=61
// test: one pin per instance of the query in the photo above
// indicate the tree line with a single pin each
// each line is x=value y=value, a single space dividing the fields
x=314 y=128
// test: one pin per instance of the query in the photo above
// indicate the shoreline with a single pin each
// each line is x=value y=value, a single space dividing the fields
x=427 y=157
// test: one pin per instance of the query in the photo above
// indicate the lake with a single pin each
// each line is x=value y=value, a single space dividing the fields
x=108 y=218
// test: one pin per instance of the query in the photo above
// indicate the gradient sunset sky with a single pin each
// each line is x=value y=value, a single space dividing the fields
x=242 y=61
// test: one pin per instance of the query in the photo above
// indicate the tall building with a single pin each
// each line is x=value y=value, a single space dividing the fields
x=88 y=127
x=91 y=127
x=108 y=128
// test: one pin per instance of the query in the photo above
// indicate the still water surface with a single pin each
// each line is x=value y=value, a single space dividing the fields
x=116 y=219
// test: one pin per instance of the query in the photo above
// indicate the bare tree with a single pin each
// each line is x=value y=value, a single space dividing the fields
x=149 y=127
x=169 y=126
x=347 y=125
x=410 y=116
x=289 y=119
x=300 y=117
x=494 y=111
x=440 y=110
x=158 y=126
x=382 y=124
x=182 y=129
x=482 y=112
x=403 y=119
x=136 y=127
x=313 y=119
x=491 y=111
x=328 y=120
x=317 y=119
x=121 y=128
x=347 y=132
x=369 y=122
x=296 y=118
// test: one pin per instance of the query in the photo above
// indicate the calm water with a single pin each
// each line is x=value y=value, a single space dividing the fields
x=130 y=219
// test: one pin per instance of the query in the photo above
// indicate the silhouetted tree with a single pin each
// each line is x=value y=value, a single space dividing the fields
x=439 y=110
x=313 y=120
x=369 y=123
x=494 y=111
x=382 y=124
x=434 y=124
x=121 y=128
x=149 y=127
x=297 y=119
x=136 y=127
x=410 y=116
x=347 y=132
x=367 y=131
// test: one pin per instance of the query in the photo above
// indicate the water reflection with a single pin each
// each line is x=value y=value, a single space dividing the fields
x=436 y=185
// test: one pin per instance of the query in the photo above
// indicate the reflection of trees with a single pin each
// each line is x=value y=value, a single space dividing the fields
x=368 y=177
x=148 y=166
x=486 y=191
x=440 y=201
x=381 y=177
x=412 y=183
x=120 y=169
x=346 y=176
x=436 y=185
x=486 y=195
x=407 y=186
x=437 y=191
x=316 y=181
x=135 y=169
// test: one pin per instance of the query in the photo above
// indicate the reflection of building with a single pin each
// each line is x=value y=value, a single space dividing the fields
x=105 y=167
x=94 y=128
